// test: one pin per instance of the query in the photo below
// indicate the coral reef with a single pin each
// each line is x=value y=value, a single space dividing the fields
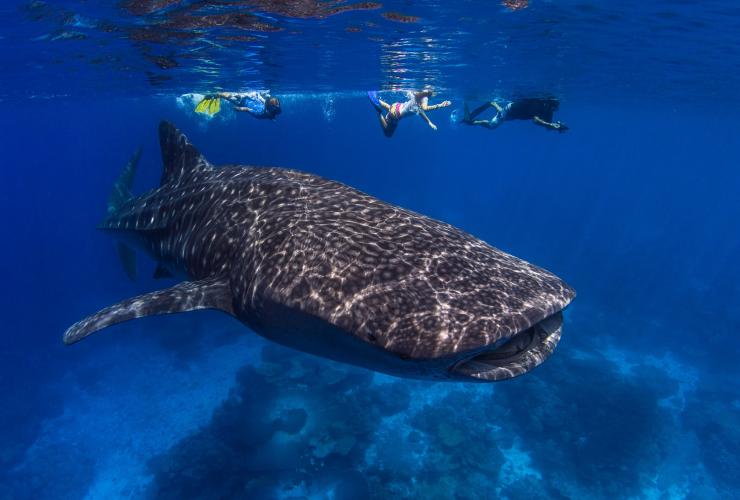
x=291 y=424
x=297 y=426
x=715 y=416
x=593 y=422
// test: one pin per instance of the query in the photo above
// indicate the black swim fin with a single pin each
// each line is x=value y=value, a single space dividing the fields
x=375 y=101
x=466 y=114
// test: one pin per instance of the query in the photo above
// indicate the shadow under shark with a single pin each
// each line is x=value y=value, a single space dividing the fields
x=318 y=266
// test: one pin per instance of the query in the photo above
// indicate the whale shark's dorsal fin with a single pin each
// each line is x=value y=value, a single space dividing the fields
x=209 y=293
x=162 y=272
x=121 y=192
x=119 y=196
x=179 y=157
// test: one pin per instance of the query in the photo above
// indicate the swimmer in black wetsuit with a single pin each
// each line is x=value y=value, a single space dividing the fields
x=539 y=110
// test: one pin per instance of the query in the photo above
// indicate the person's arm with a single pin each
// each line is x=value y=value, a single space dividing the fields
x=426 y=119
x=245 y=109
x=432 y=107
x=560 y=127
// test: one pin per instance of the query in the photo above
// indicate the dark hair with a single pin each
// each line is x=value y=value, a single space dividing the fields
x=273 y=106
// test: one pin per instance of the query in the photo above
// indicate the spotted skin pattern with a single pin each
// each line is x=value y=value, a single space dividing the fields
x=418 y=290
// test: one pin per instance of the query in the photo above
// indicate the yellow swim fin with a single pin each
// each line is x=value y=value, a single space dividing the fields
x=209 y=106
x=202 y=106
x=215 y=106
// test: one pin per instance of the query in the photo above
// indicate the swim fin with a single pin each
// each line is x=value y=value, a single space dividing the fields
x=373 y=96
x=203 y=105
x=215 y=106
x=209 y=106
x=466 y=114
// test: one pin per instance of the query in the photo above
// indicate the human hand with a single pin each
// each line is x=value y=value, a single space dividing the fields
x=445 y=104
x=434 y=127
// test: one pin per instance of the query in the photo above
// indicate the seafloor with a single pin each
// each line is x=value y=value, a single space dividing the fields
x=260 y=421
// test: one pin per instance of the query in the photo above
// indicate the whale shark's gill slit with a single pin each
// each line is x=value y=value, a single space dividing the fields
x=517 y=355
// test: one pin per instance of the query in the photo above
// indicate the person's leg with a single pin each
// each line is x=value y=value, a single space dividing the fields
x=229 y=96
x=383 y=121
x=495 y=121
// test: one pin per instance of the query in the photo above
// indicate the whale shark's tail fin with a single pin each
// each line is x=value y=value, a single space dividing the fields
x=179 y=157
x=121 y=194
x=209 y=293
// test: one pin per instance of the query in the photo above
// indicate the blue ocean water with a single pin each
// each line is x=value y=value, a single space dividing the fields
x=637 y=206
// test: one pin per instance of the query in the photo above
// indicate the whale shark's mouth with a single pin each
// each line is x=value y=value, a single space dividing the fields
x=516 y=356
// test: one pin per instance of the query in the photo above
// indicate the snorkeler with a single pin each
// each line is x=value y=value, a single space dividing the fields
x=539 y=110
x=259 y=105
x=417 y=104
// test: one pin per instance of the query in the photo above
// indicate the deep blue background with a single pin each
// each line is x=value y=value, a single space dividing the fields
x=636 y=207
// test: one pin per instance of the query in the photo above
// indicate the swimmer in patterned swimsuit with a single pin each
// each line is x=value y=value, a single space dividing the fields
x=259 y=105
x=417 y=104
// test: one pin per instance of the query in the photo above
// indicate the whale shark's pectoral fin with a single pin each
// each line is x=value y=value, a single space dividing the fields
x=210 y=293
x=162 y=272
x=128 y=260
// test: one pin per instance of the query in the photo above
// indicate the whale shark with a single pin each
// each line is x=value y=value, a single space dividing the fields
x=318 y=266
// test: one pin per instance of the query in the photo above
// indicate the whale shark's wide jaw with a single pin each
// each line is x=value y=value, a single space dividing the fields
x=515 y=356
